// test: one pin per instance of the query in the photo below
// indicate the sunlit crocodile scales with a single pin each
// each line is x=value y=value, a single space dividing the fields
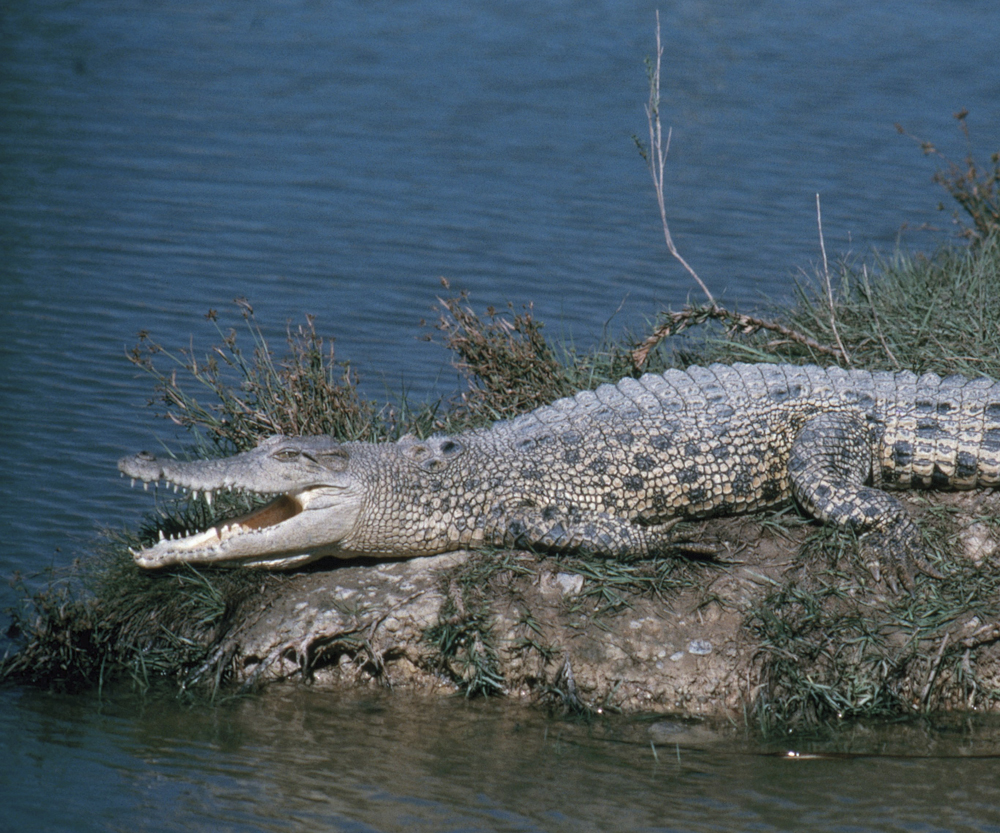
x=609 y=471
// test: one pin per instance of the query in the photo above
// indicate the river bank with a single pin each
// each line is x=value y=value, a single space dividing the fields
x=785 y=624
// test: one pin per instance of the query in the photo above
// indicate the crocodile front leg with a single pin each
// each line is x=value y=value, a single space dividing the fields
x=829 y=466
x=565 y=530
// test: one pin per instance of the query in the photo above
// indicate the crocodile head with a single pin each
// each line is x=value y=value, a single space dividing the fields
x=317 y=501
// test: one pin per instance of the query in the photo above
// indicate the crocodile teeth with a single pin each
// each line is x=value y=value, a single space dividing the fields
x=209 y=537
x=229 y=530
x=162 y=536
x=145 y=485
x=194 y=494
x=208 y=499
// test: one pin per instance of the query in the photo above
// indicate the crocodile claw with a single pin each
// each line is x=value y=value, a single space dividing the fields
x=901 y=545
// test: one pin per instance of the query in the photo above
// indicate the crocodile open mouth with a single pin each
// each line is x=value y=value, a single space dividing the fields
x=304 y=505
x=279 y=510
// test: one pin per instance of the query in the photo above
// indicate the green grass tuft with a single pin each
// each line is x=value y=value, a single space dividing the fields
x=917 y=313
x=463 y=638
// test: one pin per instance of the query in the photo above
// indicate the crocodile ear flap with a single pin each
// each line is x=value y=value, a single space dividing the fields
x=431 y=454
x=419 y=451
x=334 y=457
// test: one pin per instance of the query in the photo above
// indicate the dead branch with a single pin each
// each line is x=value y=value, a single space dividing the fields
x=656 y=159
x=737 y=323
x=829 y=285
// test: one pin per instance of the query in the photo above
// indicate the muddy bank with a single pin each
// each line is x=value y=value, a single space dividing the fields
x=786 y=623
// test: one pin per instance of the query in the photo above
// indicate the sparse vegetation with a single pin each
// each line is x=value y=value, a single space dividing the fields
x=975 y=189
x=831 y=646
x=254 y=395
x=921 y=313
x=463 y=637
x=510 y=367
x=107 y=621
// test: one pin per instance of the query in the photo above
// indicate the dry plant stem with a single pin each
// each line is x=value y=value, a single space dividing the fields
x=738 y=322
x=925 y=694
x=678 y=321
x=878 y=324
x=658 y=158
x=975 y=190
x=829 y=287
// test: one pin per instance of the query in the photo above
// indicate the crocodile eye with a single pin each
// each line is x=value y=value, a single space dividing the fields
x=286 y=455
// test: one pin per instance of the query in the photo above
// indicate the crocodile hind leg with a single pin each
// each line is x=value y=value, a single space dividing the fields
x=829 y=466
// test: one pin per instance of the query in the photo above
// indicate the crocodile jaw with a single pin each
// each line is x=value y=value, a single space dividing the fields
x=290 y=531
x=318 y=505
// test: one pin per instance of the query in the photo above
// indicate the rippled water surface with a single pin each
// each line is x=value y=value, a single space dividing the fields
x=304 y=760
x=337 y=159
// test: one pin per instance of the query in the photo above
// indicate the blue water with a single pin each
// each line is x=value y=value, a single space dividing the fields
x=338 y=158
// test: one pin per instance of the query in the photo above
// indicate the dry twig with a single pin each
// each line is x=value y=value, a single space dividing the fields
x=737 y=323
x=656 y=158
x=829 y=286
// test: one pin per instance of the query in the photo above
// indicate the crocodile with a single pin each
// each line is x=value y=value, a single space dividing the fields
x=609 y=471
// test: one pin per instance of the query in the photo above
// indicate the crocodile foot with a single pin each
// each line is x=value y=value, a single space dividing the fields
x=900 y=548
